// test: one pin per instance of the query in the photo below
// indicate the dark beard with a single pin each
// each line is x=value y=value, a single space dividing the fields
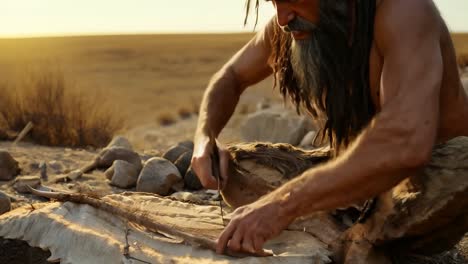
x=328 y=72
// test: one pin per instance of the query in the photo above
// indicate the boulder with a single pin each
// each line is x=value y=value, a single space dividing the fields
x=21 y=183
x=109 y=173
x=191 y=180
x=158 y=176
x=5 y=203
x=108 y=155
x=183 y=162
x=123 y=174
x=173 y=153
x=120 y=141
x=188 y=144
x=307 y=141
x=8 y=166
x=274 y=126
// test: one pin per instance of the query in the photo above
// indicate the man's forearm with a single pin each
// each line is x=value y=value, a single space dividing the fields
x=372 y=165
x=219 y=103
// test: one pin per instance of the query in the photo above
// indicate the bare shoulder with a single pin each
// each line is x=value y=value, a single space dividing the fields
x=250 y=64
x=400 y=21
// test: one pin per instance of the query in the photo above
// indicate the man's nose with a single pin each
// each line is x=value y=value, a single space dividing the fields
x=284 y=14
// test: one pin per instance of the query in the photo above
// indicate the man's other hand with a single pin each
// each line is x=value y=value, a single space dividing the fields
x=252 y=225
x=202 y=163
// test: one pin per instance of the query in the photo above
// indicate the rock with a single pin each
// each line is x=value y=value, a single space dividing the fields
x=124 y=174
x=148 y=154
x=191 y=180
x=263 y=104
x=120 y=141
x=108 y=155
x=183 y=162
x=190 y=197
x=5 y=203
x=43 y=167
x=56 y=166
x=188 y=144
x=75 y=174
x=307 y=141
x=276 y=127
x=158 y=176
x=21 y=183
x=175 y=152
x=8 y=166
x=109 y=173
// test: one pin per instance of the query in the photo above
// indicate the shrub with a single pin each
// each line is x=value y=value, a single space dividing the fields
x=60 y=115
x=184 y=113
x=166 y=119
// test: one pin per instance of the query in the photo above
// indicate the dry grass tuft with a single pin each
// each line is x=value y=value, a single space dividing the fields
x=166 y=119
x=184 y=113
x=60 y=117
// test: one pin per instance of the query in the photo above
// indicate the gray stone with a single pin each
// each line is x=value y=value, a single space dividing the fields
x=188 y=144
x=124 y=174
x=109 y=173
x=75 y=174
x=43 y=171
x=108 y=155
x=265 y=103
x=5 y=203
x=183 y=162
x=191 y=180
x=307 y=141
x=21 y=183
x=120 y=141
x=275 y=126
x=158 y=176
x=9 y=167
x=173 y=153
x=56 y=166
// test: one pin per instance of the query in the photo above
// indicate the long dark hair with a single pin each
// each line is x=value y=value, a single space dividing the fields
x=343 y=99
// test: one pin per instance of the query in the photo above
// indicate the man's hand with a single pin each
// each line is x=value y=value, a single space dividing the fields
x=202 y=163
x=252 y=225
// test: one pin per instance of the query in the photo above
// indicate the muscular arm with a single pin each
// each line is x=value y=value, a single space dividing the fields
x=399 y=140
x=396 y=143
x=247 y=67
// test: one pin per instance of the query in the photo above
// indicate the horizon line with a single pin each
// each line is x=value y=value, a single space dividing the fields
x=124 y=33
x=135 y=33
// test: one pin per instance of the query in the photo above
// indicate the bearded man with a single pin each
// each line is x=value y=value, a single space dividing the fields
x=382 y=74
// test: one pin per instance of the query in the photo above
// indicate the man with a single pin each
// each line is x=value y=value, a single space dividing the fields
x=383 y=76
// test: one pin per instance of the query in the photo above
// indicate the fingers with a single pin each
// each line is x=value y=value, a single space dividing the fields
x=225 y=237
x=202 y=167
x=258 y=242
x=224 y=158
x=248 y=245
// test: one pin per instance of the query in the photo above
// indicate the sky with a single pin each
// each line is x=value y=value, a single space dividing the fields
x=25 y=18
